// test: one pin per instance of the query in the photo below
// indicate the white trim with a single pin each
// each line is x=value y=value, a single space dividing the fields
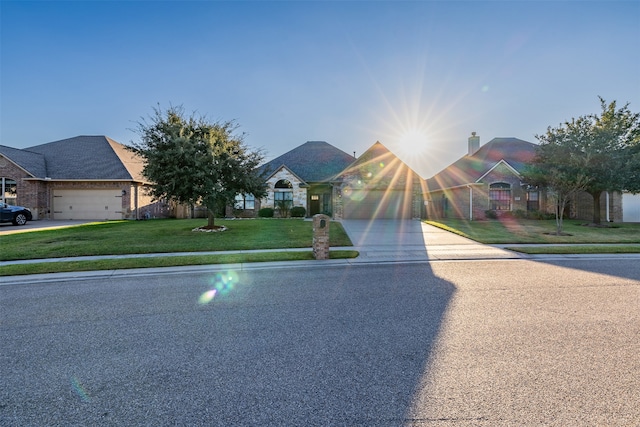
x=17 y=165
x=502 y=161
x=302 y=181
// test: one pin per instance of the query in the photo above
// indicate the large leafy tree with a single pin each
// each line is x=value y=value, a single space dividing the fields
x=192 y=161
x=601 y=149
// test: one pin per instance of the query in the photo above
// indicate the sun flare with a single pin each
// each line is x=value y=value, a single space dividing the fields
x=413 y=140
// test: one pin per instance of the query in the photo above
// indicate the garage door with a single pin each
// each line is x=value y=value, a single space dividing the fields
x=377 y=205
x=630 y=207
x=87 y=204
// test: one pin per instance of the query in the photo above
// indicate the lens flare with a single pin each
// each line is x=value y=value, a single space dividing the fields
x=207 y=297
x=225 y=282
x=78 y=388
x=221 y=284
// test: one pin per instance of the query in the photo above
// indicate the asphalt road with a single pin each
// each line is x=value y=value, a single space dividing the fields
x=446 y=343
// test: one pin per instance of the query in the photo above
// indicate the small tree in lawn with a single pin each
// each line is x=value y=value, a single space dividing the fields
x=562 y=184
x=192 y=161
x=603 y=149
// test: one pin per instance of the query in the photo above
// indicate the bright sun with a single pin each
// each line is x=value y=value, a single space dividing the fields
x=413 y=140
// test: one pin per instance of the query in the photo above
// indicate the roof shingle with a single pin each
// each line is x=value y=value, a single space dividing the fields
x=33 y=163
x=313 y=161
x=469 y=169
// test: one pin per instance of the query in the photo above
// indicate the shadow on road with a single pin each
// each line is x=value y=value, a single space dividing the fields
x=320 y=346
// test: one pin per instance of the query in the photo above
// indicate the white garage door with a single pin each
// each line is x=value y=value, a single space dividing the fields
x=377 y=205
x=87 y=204
x=630 y=207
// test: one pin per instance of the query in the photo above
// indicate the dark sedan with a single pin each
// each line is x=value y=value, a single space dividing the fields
x=15 y=214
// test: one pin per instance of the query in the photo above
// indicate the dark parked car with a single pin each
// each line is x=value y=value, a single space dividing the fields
x=15 y=214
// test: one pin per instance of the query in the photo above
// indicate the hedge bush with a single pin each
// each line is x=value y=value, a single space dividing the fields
x=298 y=212
x=265 y=213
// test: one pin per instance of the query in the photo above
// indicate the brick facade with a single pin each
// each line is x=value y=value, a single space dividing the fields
x=37 y=194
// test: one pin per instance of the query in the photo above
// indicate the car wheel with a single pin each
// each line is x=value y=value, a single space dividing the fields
x=20 y=219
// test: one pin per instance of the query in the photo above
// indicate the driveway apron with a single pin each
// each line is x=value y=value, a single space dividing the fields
x=413 y=240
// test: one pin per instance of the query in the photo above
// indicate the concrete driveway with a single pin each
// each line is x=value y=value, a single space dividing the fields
x=413 y=240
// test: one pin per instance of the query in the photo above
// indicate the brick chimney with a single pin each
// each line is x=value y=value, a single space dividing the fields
x=474 y=143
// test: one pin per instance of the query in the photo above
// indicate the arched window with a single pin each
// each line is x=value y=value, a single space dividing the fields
x=8 y=191
x=500 y=196
x=283 y=183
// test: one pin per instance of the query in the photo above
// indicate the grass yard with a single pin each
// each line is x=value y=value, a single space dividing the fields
x=515 y=231
x=163 y=236
x=163 y=261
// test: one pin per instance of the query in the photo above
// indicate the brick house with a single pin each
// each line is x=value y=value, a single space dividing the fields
x=305 y=177
x=85 y=177
x=323 y=179
x=488 y=178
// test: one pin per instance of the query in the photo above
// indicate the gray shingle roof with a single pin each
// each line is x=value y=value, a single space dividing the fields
x=469 y=169
x=88 y=158
x=33 y=163
x=313 y=161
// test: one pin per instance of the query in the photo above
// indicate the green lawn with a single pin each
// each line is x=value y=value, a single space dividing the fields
x=515 y=231
x=164 y=261
x=163 y=236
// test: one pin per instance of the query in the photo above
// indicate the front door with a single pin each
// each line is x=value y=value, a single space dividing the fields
x=314 y=204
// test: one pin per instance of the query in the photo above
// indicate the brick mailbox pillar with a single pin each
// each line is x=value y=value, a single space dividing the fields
x=321 y=236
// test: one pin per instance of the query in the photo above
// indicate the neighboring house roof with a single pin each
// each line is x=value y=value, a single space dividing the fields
x=515 y=152
x=30 y=162
x=313 y=161
x=80 y=158
x=377 y=160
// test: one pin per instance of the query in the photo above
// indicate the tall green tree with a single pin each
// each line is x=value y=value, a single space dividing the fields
x=603 y=149
x=192 y=161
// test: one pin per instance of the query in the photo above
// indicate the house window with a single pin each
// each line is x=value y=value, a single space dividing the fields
x=326 y=202
x=245 y=202
x=283 y=199
x=283 y=183
x=283 y=195
x=500 y=196
x=315 y=197
x=8 y=191
x=533 y=200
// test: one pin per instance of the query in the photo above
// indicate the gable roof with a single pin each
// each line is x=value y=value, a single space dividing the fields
x=32 y=163
x=313 y=161
x=82 y=158
x=515 y=152
x=300 y=180
x=377 y=160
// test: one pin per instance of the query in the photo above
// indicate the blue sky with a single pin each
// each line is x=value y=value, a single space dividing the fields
x=417 y=76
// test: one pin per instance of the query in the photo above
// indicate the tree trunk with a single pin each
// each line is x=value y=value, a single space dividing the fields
x=560 y=205
x=210 y=218
x=596 y=207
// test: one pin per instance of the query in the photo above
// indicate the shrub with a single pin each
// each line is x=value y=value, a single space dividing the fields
x=520 y=214
x=491 y=214
x=298 y=212
x=265 y=213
